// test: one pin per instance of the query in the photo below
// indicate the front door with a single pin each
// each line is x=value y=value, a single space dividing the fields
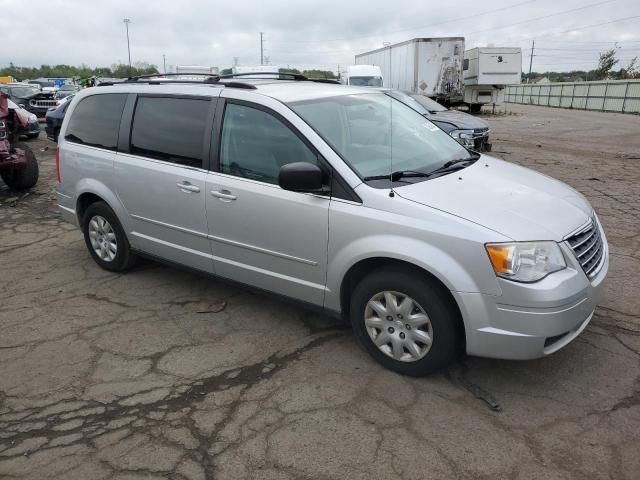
x=161 y=180
x=262 y=235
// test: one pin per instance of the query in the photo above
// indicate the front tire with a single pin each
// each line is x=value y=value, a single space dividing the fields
x=105 y=238
x=25 y=176
x=405 y=321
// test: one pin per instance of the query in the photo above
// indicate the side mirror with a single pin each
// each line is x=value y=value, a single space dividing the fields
x=300 y=177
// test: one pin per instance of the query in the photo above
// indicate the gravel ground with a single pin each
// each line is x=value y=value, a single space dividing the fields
x=162 y=373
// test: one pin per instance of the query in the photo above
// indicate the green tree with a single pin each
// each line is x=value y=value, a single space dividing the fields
x=319 y=74
x=629 y=72
x=289 y=70
x=69 y=71
x=606 y=62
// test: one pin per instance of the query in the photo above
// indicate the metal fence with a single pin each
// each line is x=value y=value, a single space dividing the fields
x=605 y=96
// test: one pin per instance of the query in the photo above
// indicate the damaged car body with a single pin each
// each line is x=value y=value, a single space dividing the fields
x=18 y=164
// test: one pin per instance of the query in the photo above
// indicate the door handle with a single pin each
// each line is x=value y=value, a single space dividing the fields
x=187 y=187
x=223 y=195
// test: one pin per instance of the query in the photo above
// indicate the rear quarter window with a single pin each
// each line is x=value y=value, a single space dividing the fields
x=96 y=120
x=170 y=129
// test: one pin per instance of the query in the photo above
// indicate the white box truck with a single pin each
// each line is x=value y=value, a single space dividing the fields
x=362 y=76
x=429 y=66
x=487 y=71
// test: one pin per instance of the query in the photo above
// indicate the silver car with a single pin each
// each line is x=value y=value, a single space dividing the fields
x=339 y=197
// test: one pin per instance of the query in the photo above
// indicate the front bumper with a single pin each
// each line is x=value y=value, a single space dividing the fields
x=478 y=140
x=532 y=320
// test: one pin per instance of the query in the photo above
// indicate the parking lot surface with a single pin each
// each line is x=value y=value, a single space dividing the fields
x=162 y=373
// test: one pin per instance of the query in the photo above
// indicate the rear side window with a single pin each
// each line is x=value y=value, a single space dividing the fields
x=96 y=120
x=170 y=129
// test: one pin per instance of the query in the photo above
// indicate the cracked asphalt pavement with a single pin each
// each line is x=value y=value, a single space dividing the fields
x=162 y=373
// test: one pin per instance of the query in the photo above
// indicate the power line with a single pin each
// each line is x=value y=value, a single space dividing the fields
x=529 y=20
x=351 y=50
x=582 y=28
x=436 y=24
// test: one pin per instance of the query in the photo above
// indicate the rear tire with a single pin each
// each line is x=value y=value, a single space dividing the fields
x=429 y=316
x=33 y=136
x=105 y=238
x=25 y=176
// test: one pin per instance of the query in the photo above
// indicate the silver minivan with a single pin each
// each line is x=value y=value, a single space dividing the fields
x=342 y=198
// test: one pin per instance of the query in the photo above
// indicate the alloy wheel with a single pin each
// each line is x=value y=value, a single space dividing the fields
x=103 y=238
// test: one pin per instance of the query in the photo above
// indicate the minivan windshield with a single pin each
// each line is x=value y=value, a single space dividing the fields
x=377 y=134
x=365 y=81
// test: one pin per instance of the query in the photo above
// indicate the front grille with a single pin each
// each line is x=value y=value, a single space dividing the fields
x=43 y=103
x=481 y=136
x=588 y=248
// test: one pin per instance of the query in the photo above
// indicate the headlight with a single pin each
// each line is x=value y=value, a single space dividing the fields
x=525 y=261
x=464 y=137
x=33 y=118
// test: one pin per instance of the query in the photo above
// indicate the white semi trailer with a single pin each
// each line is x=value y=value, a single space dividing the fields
x=487 y=71
x=196 y=69
x=255 y=69
x=428 y=66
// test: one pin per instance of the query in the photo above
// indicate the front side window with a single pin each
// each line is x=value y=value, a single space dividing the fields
x=255 y=144
x=96 y=121
x=170 y=129
x=376 y=134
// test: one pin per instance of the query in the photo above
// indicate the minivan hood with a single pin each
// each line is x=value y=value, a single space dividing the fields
x=459 y=119
x=519 y=203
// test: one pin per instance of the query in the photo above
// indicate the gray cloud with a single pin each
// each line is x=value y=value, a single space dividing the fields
x=304 y=34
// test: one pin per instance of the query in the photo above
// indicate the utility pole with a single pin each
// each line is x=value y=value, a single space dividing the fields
x=164 y=62
x=126 y=24
x=261 y=49
x=533 y=45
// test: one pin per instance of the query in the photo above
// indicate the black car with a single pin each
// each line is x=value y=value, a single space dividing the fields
x=471 y=132
x=66 y=90
x=54 y=119
x=30 y=97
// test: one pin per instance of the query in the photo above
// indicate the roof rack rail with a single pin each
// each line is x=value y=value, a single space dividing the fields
x=157 y=78
x=289 y=75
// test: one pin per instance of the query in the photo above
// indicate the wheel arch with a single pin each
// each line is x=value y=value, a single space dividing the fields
x=91 y=191
x=363 y=267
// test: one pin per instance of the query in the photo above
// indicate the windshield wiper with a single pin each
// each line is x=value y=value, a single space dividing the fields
x=456 y=164
x=449 y=166
x=397 y=175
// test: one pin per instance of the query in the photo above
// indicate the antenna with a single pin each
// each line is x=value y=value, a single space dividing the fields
x=391 y=192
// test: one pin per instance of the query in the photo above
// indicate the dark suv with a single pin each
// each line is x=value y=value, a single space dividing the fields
x=469 y=131
x=30 y=97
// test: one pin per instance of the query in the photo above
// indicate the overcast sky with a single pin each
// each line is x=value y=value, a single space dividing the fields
x=320 y=34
